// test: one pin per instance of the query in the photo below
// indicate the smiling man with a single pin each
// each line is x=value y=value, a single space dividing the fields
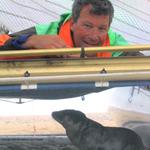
x=87 y=26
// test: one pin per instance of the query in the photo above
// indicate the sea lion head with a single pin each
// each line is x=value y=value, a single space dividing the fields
x=69 y=117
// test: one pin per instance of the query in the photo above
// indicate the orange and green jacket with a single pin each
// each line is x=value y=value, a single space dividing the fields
x=62 y=28
x=114 y=39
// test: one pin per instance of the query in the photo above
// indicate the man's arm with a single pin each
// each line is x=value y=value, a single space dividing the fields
x=27 y=39
x=44 y=42
x=49 y=32
x=15 y=36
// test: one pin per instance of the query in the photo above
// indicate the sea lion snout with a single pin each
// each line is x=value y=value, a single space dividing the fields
x=57 y=115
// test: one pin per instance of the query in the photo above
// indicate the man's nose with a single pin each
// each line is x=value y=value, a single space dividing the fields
x=95 y=35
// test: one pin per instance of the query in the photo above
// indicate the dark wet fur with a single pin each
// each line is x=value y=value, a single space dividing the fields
x=87 y=134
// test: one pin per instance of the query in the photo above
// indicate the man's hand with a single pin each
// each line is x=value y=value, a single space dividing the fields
x=44 y=42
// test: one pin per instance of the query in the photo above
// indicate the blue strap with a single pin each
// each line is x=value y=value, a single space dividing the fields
x=17 y=43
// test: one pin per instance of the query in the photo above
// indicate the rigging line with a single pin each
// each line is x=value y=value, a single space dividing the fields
x=14 y=102
x=132 y=13
x=36 y=9
x=134 y=8
x=143 y=92
x=138 y=37
x=54 y=12
x=59 y=5
x=15 y=15
x=132 y=25
x=3 y=100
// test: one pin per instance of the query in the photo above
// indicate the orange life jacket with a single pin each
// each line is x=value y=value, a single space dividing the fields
x=65 y=34
x=3 y=38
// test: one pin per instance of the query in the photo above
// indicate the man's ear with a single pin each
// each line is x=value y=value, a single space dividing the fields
x=72 y=24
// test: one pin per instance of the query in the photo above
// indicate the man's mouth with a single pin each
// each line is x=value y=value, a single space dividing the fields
x=91 y=44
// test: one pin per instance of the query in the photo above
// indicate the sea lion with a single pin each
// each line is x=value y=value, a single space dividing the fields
x=87 y=134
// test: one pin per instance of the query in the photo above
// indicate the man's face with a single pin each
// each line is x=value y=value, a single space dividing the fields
x=90 y=30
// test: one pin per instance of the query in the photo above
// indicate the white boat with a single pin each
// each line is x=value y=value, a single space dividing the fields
x=131 y=20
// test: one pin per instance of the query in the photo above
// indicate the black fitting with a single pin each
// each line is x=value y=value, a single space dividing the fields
x=82 y=53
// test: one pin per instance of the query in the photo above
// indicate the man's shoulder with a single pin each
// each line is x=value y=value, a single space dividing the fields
x=65 y=17
x=48 y=28
x=52 y=27
x=116 y=39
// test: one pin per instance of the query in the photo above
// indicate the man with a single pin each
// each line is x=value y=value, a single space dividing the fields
x=88 y=26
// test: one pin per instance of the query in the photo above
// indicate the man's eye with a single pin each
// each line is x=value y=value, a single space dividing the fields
x=87 y=26
x=102 y=29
